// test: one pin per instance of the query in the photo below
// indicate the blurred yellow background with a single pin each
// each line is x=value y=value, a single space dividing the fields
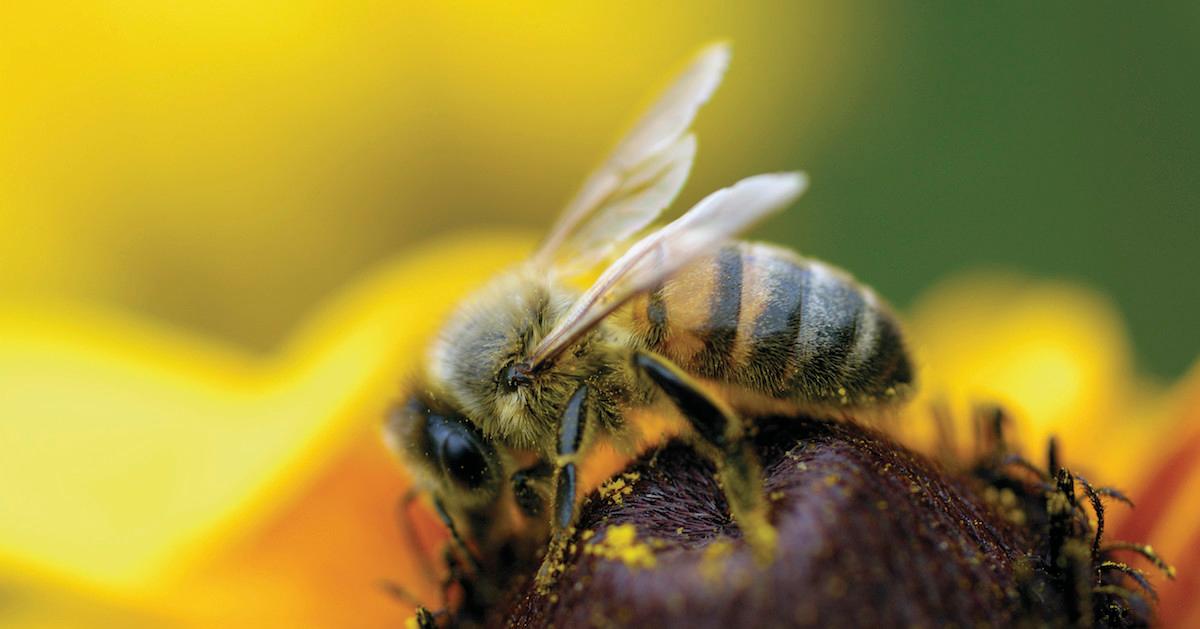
x=183 y=161
x=191 y=195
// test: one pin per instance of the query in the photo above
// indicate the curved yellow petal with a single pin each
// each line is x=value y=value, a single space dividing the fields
x=134 y=453
x=1053 y=354
x=160 y=471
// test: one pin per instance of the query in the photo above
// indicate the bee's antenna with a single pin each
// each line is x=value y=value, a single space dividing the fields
x=411 y=538
x=459 y=543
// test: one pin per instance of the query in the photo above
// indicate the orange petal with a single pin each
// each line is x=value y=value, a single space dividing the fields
x=1168 y=507
x=325 y=559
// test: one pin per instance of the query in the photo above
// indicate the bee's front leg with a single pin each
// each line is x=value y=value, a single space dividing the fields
x=455 y=538
x=426 y=619
x=570 y=438
x=721 y=438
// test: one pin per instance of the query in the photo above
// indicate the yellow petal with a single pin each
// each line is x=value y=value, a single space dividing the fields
x=1054 y=355
x=134 y=452
x=157 y=470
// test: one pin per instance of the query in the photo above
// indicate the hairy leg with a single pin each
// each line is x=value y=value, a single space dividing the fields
x=721 y=438
x=570 y=438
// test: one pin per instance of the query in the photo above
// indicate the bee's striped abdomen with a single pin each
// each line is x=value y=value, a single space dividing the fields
x=836 y=334
x=771 y=360
x=763 y=318
x=720 y=332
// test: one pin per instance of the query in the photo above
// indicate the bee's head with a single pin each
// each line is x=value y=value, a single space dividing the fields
x=447 y=453
x=469 y=480
x=476 y=355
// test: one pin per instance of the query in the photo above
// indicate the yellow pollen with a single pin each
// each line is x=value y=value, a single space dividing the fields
x=620 y=544
x=619 y=487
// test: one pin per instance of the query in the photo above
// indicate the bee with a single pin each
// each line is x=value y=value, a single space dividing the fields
x=530 y=372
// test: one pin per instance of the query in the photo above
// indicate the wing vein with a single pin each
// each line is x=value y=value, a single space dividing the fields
x=719 y=216
x=603 y=214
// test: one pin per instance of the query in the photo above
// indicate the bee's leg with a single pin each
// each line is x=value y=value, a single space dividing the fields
x=454 y=576
x=570 y=437
x=455 y=538
x=721 y=439
x=425 y=619
x=525 y=490
x=410 y=535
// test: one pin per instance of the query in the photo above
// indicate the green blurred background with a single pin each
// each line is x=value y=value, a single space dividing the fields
x=225 y=166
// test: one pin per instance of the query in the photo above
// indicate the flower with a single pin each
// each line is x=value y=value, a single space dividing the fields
x=154 y=477
x=867 y=534
x=1166 y=485
x=1054 y=356
x=151 y=475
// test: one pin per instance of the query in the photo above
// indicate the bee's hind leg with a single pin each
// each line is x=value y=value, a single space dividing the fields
x=720 y=438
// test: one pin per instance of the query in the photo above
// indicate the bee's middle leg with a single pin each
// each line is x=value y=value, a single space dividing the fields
x=721 y=439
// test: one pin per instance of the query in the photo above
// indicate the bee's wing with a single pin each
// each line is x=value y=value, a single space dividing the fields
x=661 y=253
x=642 y=175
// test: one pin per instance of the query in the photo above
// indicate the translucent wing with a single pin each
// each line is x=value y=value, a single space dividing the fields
x=641 y=176
x=652 y=259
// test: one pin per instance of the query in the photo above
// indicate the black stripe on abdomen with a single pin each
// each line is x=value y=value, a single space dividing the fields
x=773 y=359
x=725 y=308
x=828 y=328
x=887 y=364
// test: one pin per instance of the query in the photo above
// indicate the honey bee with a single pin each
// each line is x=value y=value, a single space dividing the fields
x=529 y=372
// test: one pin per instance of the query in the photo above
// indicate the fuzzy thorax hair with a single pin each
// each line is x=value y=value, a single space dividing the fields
x=494 y=329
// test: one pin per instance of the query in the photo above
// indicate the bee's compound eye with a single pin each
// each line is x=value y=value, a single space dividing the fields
x=463 y=460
